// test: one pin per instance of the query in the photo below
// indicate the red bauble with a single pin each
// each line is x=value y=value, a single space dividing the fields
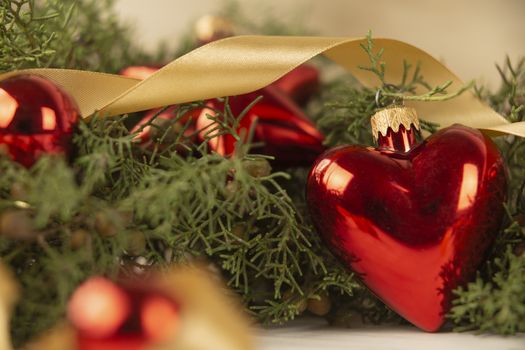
x=36 y=117
x=414 y=220
x=125 y=316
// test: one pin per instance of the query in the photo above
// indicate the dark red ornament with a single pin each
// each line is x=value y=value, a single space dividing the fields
x=36 y=117
x=281 y=126
x=284 y=131
x=165 y=128
x=300 y=84
x=114 y=316
x=415 y=220
x=150 y=137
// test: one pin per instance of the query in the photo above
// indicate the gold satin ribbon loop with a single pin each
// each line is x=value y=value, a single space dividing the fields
x=242 y=64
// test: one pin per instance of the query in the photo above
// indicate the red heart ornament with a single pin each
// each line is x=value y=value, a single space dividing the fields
x=414 y=221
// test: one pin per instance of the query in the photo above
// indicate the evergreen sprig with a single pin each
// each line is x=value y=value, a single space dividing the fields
x=495 y=302
x=389 y=93
x=65 y=34
x=349 y=106
x=496 y=305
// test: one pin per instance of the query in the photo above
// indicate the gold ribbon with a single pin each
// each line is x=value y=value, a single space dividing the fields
x=242 y=64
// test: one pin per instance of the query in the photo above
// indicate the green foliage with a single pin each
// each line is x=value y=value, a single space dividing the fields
x=186 y=208
x=497 y=305
x=389 y=93
x=65 y=34
x=90 y=215
x=495 y=302
x=118 y=208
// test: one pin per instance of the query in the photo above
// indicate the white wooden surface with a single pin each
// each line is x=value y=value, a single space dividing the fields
x=310 y=334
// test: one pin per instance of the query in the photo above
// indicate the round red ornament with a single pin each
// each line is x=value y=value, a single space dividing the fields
x=415 y=220
x=36 y=117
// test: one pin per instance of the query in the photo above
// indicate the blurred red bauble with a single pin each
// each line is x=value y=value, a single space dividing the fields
x=138 y=72
x=98 y=308
x=36 y=117
x=415 y=220
x=159 y=317
x=114 y=316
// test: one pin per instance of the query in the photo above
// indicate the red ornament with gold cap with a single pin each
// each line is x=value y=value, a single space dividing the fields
x=36 y=117
x=415 y=220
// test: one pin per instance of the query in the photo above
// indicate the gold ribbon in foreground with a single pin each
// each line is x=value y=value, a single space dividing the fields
x=242 y=64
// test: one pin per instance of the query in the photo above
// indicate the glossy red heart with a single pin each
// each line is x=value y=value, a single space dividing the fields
x=414 y=224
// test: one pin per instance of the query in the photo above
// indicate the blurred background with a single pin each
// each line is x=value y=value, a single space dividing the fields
x=470 y=36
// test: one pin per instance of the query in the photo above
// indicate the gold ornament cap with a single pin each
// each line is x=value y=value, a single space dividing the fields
x=209 y=28
x=393 y=117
